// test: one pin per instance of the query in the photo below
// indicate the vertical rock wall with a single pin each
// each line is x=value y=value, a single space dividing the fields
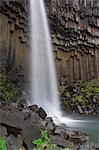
x=13 y=34
x=75 y=34
x=74 y=28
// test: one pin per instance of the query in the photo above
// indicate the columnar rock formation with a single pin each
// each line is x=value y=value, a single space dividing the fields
x=13 y=33
x=75 y=33
x=74 y=28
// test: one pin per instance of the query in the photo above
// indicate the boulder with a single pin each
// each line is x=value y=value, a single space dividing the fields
x=12 y=143
x=50 y=126
x=3 y=131
x=48 y=119
x=42 y=113
x=80 y=109
x=29 y=133
x=33 y=108
x=62 y=142
x=12 y=118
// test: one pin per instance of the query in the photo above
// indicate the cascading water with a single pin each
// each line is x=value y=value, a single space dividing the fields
x=44 y=86
x=43 y=76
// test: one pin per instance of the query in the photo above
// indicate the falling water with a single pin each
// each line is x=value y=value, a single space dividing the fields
x=43 y=80
x=44 y=86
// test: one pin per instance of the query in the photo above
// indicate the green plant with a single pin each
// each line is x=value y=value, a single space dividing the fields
x=3 y=144
x=97 y=90
x=61 y=89
x=80 y=98
x=44 y=143
x=7 y=90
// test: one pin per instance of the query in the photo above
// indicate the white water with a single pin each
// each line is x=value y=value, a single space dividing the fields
x=44 y=85
x=43 y=81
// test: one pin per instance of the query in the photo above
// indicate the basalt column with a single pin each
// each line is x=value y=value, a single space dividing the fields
x=75 y=34
x=74 y=26
x=14 y=49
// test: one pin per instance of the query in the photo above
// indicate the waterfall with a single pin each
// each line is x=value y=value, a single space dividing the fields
x=43 y=76
x=44 y=83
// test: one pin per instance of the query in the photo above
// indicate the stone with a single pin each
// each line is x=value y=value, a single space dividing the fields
x=33 y=108
x=78 y=138
x=80 y=109
x=59 y=129
x=12 y=143
x=43 y=123
x=42 y=113
x=50 y=126
x=48 y=119
x=29 y=133
x=62 y=142
x=22 y=103
x=14 y=105
x=75 y=90
x=64 y=135
x=12 y=118
x=3 y=131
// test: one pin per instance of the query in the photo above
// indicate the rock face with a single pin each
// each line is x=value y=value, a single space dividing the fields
x=75 y=34
x=79 y=97
x=13 y=34
x=74 y=28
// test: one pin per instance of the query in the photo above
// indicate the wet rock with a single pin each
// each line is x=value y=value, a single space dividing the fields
x=80 y=109
x=22 y=103
x=64 y=135
x=59 y=129
x=62 y=142
x=48 y=119
x=69 y=132
x=34 y=108
x=42 y=113
x=50 y=126
x=43 y=123
x=14 y=105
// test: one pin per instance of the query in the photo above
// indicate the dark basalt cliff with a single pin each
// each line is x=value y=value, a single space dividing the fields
x=74 y=28
x=14 y=34
x=75 y=33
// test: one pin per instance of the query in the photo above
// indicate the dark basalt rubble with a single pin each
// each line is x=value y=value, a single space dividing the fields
x=21 y=126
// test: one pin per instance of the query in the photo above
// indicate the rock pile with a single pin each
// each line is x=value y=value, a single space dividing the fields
x=21 y=125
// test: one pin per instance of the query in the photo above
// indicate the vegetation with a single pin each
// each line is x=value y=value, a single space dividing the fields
x=7 y=90
x=45 y=143
x=3 y=144
x=79 y=91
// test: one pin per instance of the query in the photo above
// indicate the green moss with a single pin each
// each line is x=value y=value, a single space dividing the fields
x=97 y=90
x=80 y=99
x=8 y=92
x=84 y=91
x=45 y=143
